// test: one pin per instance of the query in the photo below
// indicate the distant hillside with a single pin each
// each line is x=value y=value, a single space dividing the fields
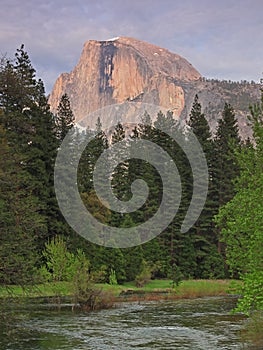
x=214 y=93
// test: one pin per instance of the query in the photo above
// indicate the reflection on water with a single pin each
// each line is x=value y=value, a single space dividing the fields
x=183 y=324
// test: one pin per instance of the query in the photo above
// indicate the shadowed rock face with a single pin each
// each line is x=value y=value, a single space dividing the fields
x=124 y=69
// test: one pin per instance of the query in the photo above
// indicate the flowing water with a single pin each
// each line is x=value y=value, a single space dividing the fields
x=196 y=324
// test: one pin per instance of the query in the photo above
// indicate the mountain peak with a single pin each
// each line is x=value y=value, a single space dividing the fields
x=124 y=69
x=159 y=59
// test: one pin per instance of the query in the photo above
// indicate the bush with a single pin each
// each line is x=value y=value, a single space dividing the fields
x=59 y=261
x=100 y=276
x=86 y=295
x=112 y=278
x=61 y=265
x=175 y=275
x=251 y=291
x=144 y=276
x=252 y=332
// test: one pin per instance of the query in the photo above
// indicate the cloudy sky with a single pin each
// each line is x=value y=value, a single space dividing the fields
x=222 y=39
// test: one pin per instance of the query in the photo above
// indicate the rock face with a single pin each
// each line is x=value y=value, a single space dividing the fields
x=125 y=69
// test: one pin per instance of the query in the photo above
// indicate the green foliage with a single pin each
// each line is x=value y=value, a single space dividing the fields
x=30 y=131
x=112 y=278
x=31 y=221
x=100 y=276
x=82 y=280
x=60 y=263
x=252 y=334
x=252 y=292
x=89 y=157
x=133 y=262
x=199 y=125
x=27 y=154
x=200 y=128
x=241 y=221
x=144 y=276
x=227 y=141
x=85 y=293
x=211 y=264
x=20 y=220
x=175 y=275
x=64 y=118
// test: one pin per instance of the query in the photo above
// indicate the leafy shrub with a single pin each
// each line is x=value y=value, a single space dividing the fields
x=144 y=276
x=112 y=278
x=175 y=275
x=59 y=261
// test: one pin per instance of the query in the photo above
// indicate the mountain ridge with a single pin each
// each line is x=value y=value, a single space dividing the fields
x=126 y=69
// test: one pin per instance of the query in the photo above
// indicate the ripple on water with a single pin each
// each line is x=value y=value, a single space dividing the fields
x=197 y=324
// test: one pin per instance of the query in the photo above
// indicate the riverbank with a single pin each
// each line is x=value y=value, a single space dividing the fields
x=155 y=289
x=158 y=289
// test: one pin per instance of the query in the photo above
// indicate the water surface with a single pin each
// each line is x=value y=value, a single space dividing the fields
x=203 y=323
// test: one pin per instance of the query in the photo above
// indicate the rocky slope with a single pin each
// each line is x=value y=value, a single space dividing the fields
x=126 y=69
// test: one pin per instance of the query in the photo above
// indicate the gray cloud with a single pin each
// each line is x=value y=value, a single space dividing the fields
x=221 y=40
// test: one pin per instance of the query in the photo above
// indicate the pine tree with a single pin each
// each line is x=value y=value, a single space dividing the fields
x=31 y=131
x=226 y=141
x=89 y=157
x=199 y=125
x=204 y=233
x=64 y=117
x=177 y=245
x=133 y=261
x=120 y=177
x=226 y=168
x=141 y=169
x=20 y=219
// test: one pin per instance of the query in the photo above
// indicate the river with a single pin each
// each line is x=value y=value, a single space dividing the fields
x=196 y=324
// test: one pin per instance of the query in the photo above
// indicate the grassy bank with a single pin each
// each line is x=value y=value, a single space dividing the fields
x=161 y=289
x=41 y=290
x=153 y=290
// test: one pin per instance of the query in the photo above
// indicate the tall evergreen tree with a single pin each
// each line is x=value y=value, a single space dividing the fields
x=20 y=218
x=177 y=247
x=209 y=262
x=120 y=177
x=226 y=141
x=31 y=131
x=89 y=157
x=199 y=125
x=226 y=168
x=64 y=117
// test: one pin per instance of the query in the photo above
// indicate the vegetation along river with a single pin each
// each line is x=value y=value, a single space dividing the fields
x=203 y=323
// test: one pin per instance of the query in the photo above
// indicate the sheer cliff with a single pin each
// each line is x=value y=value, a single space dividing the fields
x=125 y=69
